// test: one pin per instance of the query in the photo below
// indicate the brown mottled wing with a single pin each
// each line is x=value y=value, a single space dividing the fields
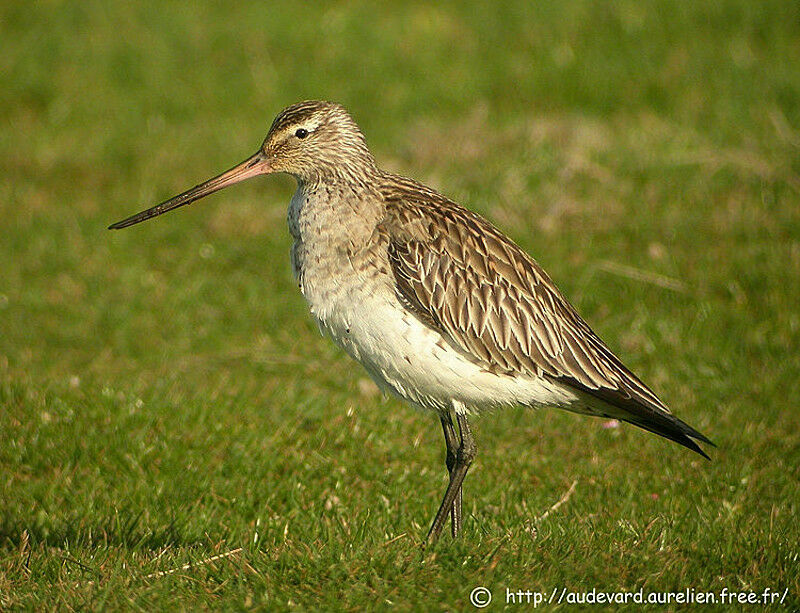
x=493 y=302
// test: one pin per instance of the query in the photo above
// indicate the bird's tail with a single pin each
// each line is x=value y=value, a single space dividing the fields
x=651 y=418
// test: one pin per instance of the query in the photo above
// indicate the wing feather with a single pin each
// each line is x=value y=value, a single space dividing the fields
x=495 y=304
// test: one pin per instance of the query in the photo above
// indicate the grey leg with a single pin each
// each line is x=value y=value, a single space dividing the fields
x=452 y=449
x=464 y=455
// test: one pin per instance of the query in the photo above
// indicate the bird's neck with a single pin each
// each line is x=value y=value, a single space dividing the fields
x=358 y=171
x=335 y=211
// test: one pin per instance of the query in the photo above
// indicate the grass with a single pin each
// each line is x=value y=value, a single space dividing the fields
x=165 y=397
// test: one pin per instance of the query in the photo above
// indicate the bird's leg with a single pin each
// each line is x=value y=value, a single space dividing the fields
x=464 y=456
x=452 y=448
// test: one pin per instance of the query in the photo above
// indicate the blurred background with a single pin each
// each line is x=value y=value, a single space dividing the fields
x=165 y=396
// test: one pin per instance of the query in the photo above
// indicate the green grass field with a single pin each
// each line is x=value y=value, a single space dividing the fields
x=165 y=397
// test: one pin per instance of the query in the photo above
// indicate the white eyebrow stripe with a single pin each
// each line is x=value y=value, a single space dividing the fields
x=310 y=124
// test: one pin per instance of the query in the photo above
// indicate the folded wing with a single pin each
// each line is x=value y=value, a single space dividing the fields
x=494 y=303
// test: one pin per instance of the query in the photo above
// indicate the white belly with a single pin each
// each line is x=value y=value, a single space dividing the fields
x=410 y=359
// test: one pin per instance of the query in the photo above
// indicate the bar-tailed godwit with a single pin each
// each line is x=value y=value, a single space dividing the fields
x=438 y=305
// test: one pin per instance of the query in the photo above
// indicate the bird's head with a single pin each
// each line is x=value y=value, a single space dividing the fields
x=315 y=141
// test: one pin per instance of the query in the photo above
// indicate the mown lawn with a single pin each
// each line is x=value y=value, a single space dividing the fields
x=165 y=397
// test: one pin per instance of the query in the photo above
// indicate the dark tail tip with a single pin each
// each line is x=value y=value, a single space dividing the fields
x=672 y=428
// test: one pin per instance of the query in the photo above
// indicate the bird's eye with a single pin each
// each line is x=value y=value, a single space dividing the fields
x=301 y=133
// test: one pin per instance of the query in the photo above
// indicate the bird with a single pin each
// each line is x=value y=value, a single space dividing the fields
x=440 y=307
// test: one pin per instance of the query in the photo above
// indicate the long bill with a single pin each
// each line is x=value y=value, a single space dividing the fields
x=255 y=165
